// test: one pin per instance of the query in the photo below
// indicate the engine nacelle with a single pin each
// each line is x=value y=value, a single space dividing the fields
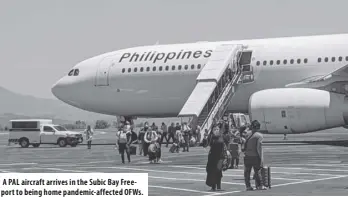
x=298 y=110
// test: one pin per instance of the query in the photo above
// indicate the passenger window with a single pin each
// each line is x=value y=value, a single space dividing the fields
x=192 y=66
x=285 y=62
x=160 y=68
x=48 y=129
x=326 y=59
x=76 y=73
x=186 y=67
x=199 y=66
x=333 y=59
x=305 y=60
x=278 y=62
x=264 y=63
x=173 y=67
x=148 y=69
x=271 y=62
x=142 y=69
x=258 y=63
x=135 y=69
x=283 y=114
x=179 y=67
x=154 y=68
x=340 y=59
x=346 y=58
x=291 y=61
x=298 y=61
x=123 y=70
x=167 y=67
x=129 y=70
x=319 y=59
x=71 y=72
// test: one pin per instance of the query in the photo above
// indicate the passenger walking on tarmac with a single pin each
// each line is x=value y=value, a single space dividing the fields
x=186 y=135
x=124 y=139
x=205 y=138
x=171 y=133
x=216 y=153
x=235 y=148
x=164 y=133
x=158 y=147
x=154 y=127
x=89 y=135
x=253 y=155
x=141 y=140
x=146 y=145
x=178 y=139
x=151 y=138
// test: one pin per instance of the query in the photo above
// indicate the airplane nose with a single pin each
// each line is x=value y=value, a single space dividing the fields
x=58 y=89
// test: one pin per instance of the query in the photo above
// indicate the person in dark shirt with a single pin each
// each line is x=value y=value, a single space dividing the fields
x=124 y=140
x=171 y=133
x=164 y=133
x=216 y=153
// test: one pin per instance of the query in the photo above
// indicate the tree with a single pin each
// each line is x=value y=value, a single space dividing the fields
x=101 y=124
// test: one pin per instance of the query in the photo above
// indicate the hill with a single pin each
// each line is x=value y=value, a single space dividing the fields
x=17 y=105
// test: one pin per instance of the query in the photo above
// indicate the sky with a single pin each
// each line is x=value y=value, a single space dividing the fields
x=41 y=40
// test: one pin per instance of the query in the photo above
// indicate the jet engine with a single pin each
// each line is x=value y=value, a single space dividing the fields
x=298 y=110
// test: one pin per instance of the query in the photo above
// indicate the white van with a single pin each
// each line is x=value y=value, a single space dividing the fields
x=41 y=131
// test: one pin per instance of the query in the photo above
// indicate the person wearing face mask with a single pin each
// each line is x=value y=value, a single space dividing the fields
x=151 y=139
x=124 y=140
x=214 y=164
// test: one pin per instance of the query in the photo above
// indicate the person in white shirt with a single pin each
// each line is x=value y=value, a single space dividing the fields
x=89 y=135
x=151 y=138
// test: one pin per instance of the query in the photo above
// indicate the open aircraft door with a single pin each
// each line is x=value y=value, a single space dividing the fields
x=102 y=75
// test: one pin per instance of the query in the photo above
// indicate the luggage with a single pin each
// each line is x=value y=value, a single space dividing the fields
x=265 y=176
x=173 y=147
x=133 y=150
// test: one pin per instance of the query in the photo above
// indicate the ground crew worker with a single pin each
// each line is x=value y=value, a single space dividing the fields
x=150 y=138
x=89 y=135
x=124 y=140
x=253 y=155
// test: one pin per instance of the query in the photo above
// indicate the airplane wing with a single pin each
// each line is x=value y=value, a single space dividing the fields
x=329 y=82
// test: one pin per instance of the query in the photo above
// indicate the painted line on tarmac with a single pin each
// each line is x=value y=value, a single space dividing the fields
x=240 y=170
x=180 y=189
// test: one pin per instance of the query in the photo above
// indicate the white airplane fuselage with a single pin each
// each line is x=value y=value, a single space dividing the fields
x=101 y=85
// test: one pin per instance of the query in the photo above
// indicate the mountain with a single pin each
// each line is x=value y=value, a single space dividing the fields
x=16 y=105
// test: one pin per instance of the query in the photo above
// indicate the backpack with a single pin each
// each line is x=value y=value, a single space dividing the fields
x=122 y=137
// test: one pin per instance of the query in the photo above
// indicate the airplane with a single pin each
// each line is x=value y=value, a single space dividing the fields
x=292 y=85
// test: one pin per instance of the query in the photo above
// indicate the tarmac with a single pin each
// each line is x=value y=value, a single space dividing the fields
x=307 y=164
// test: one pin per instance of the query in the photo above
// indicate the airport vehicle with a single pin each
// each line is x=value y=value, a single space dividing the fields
x=41 y=131
x=292 y=85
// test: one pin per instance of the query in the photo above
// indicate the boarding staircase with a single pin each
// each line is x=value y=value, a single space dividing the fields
x=214 y=88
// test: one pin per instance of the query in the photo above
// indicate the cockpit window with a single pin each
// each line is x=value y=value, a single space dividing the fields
x=76 y=73
x=71 y=72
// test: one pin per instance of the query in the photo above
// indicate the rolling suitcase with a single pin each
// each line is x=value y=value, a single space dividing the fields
x=133 y=150
x=172 y=148
x=265 y=176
